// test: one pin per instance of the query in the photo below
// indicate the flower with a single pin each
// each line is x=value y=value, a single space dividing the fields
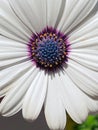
x=49 y=57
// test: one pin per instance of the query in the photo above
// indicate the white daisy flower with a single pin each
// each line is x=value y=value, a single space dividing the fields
x=49 y=57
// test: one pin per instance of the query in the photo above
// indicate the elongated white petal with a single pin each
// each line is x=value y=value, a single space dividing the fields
x=54 y=109
x=10 y=49
x=9 y=75
x=34 y=98
x=53 y=11
x=4 y=91
x=85 y=57
x=86 y=31
x=86 y=36
x=7 y=42
x=8 y=52
x=84 y=78
x=10 y=25
x=9 y=86
x=32 y=13
x=11 y=62
x=12 y=55
x=13 y=100
x=92 y=105
x=71 y=17
x=72 y=98
x=91 y=43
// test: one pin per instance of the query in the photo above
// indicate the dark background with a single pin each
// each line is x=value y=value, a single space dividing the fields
x=17 y=122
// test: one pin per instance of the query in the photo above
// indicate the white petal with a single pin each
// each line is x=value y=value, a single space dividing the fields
x=35 y=96
x=73 y=99
x=13 y=100
x=4 y=91
x=32 y=13
x=10 y=62
x=90 y=43
x=10 y=25
x=9 y=75
x=71 y=17
x=85 y=57
x=86 y=36
x=54 y=109
x=8 y=47
x=86 y=31
x=53 y=11
x=84 y=78
x=92 y=105
x=12 y=55
x=7 y=42
x=7 y=87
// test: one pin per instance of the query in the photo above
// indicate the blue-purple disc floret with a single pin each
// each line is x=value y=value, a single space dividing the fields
x=49 y=49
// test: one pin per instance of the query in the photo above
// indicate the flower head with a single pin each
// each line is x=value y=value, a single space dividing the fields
x=49 y=50
x=49 y=57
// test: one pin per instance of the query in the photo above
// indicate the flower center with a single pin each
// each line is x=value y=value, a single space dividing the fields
x=49 y=49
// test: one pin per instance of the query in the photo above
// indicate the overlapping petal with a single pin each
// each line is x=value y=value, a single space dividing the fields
x=86 y=36
x=54 y=109
x=13 y=100
x=84 y=78
x=9 y=75
x=72 y=98
x=85 y=57
x=12 y=52
x=74 y=13
x=35 y=96
x=10 y=25
x=32 y=13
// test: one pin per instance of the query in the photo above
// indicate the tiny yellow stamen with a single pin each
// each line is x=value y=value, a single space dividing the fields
x=64 y=46
x=63 y=56
x=42 y=62
x=50 y=34
x=60 y=39
x=33 y=53
x=50 y=65
x=33 y=48
x=56 y=63
x=54 y=34
x=33 y=42
x=45 y=34
x=41 y=36
x=55 y=37
x=36 y=40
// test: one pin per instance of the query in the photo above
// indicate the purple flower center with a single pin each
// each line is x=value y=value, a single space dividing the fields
x=49 y=49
